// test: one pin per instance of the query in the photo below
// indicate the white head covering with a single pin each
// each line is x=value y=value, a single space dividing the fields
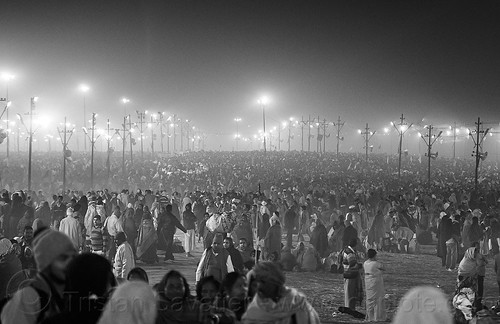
x=5 y=246
x=423 y=304
x=132 y=303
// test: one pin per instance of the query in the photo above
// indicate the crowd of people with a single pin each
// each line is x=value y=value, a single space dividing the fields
x=253 y=213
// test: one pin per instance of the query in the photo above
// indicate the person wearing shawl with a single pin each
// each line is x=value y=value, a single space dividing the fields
x=89 y=279
x=133 y=302
x=274 y=302
x=475 y=232
x=42 y=216
x=319 y=238
x=374 y=287
x=353 y=286
x=467 y=269
x=146 y=240
x=423 y=304
x=376 y=232
x=128 y=225
x=335 y=241
x=272 y=240
x=10 y=268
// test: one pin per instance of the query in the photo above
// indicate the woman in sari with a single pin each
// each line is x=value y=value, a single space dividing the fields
x=374 y=286
x=146 y=241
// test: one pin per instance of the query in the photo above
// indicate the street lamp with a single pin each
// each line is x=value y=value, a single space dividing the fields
x=263 y=101
x=84 y=89
x=33 y=100
x=7 y=77
x=237 y=137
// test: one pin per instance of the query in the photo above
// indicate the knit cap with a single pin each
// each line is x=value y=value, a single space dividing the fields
x=48 y=245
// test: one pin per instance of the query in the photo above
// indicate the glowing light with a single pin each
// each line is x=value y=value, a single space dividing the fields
x=7 y=76
x=125 y=100
x=359 y=131
x=84 y=88
x=264 y=100
x=386 y=130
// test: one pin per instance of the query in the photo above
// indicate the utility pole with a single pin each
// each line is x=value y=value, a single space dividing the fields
x=431 y=139
x=131 y=139
x=289 y=133
x=478 y=147
x=151 y=125
x=160 y=114
x=340 y=125
x=454 y=139
x=92 y=139
x=309 y=134
x=63 y=135
x=302 y=123
x=367 y=136
x=109 y=137
x=401 y=131
x=187 y=134
x=325 y=124
x=175 y=135
x=181 y=134
x=318 y=137
x=141 y=115
x=124 y=140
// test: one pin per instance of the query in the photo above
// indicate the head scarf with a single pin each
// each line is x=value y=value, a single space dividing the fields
x=423 y=305
x=5 y=246
x=132 y=303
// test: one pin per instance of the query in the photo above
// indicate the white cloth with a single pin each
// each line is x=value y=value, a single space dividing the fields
x=113 y=225
x=71 y=227
x=189 y=240
x=124 y=261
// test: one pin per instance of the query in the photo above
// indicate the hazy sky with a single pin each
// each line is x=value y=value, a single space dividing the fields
x=209 y=61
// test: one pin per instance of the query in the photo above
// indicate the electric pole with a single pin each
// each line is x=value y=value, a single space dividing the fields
x=478 y=147
x=431 y=139
x=63 y=135
x=403 y=128
x=339 y=124
x=141 y=115
x=367 y=136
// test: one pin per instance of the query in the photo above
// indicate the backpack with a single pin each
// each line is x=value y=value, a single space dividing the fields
x=44 y=302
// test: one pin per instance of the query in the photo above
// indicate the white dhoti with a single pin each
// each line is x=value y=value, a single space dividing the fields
x=189 y=240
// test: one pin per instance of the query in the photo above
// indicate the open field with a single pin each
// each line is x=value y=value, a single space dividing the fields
x=325 y=290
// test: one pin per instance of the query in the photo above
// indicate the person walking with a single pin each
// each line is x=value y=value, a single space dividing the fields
x=70 y=226
x=124 y=257
x=189 y=222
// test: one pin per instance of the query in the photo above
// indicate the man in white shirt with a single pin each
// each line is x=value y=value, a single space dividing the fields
x=70 y=226
x=113 y=226
x=124 y=257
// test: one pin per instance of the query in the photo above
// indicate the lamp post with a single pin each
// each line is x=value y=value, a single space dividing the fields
x=64 y=141
x=403 y=128
x=33 y=100
x=7 y=77
x=84 y=89
x=141 y=115
x=237 y=137
x=431 y=139
x=109 y=138
x=263 y=101
x=93 y=139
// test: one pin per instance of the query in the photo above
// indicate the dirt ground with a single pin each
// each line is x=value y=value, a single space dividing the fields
x=325 y=290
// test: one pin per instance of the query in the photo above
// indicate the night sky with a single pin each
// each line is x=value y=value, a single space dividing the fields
x=209 y=61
